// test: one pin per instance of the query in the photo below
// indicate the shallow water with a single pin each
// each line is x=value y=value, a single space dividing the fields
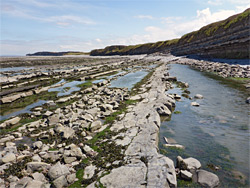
x=15 y=69
x=129 y=80
x=217 y=132
x=23 y=111
x=67 y=88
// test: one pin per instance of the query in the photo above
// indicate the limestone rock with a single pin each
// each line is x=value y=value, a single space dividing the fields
x=60 y=182
x=207 y=179
x=195 y=104
x=198 y=96
x=89 y=172
x=186 y=175
x=8 y=158
x=36 y=166
x=127 y=176
x=58 y=170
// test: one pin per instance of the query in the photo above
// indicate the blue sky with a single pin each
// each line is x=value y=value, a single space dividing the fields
x=29 y=26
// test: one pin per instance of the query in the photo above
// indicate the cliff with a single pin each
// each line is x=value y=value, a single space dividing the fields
x=229 y=38
x=56 y=53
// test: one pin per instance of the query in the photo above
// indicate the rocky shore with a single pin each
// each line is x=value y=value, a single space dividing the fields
x=97 y=137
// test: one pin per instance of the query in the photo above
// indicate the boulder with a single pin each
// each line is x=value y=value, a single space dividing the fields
x=207 y=179
x=198 y=96
x=195 y=104
x=54 y=119
x=188 y=163
x=163 y=110
x=186 y=175
x=58 y=170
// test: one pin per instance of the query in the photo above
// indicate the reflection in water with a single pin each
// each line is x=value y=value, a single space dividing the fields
x=216 y=132
x=67 y=88
x=129 y=79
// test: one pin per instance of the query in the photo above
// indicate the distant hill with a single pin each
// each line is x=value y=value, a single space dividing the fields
x=57 y=53
x=229 y=38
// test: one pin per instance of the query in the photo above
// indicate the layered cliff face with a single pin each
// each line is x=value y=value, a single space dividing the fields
x=229 y=38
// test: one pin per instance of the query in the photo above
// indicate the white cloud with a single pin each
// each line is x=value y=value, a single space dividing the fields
x=215 y=2
x=67 y=20
x=144 y=17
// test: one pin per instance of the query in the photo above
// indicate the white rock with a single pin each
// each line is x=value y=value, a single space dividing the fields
x=195 y=104
x=89 y=172
x=186 y=175
x=58 y=170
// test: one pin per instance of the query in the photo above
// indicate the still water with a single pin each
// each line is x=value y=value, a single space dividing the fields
x=129 y=80
x=217 y=132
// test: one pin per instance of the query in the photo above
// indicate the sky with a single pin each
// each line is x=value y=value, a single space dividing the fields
x=28 y=26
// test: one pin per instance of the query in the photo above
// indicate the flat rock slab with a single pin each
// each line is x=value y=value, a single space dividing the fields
x=126 y=176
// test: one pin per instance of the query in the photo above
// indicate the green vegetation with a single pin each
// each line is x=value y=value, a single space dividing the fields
x=206 y=31
x=85 y=85
x=177 y=112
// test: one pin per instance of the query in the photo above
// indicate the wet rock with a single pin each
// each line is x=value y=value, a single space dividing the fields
x=174 y=145
x=207 y=179
x=58 y=170
x=248 y=100
x=195 y=104
x=198 y=96
x=89 y=172
x=163 y=110
x=186 y=175
x=188 y=163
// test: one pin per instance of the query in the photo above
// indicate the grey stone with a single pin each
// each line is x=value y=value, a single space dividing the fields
x=96 y=125
x=195 y=104
x=39 y=177
x=8 y=158
x=125 y=176
x=58 y=170
x=198 y=96
x=71 y=178
x=207 y=179
x=60 y=182
x=65 y=132
x=192 y=163
x=23 y=182
x=36 y=166
x=34 y=183
x=89 y=172
x=186 y=175
x=37 y=145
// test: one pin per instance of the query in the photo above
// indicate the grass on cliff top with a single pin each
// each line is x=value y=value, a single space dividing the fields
x=212 y=28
